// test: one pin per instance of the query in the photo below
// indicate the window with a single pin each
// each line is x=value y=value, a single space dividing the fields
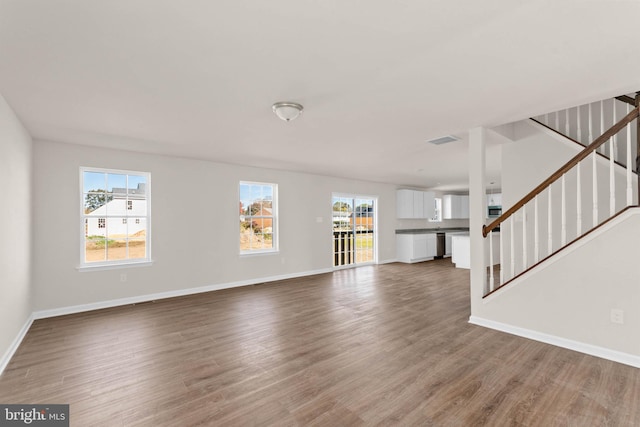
x=437 y=217
x=108 y=237
x=258 y=217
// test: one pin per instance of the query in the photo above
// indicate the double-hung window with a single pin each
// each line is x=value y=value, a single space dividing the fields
x=258 y=217
x=109 y=199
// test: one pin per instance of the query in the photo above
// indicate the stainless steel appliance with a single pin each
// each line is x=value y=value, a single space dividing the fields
x=440 y=247
x=494 y=211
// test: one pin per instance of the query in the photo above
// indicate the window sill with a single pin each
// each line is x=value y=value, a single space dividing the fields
x=261 y=253
x=100 y=267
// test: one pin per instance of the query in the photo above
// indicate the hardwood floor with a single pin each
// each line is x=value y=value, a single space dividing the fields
x=379 y=345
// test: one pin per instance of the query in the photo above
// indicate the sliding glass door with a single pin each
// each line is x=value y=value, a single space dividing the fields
x=353 y=229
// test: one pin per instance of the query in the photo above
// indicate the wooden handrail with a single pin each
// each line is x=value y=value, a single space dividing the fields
x=629 y=100
x=486 y=229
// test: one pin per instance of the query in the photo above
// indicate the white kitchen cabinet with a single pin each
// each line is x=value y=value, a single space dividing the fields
x=404 y=203
x=418 y=204
x=416 y=247
x=448 y=244
x=462 y=250
x=455 y=206
x=414 y=204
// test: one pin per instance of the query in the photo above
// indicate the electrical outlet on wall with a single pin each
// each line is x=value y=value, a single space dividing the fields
x=123 y=277
x=617 y=316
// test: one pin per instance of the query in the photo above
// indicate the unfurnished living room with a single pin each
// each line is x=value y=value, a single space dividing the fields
x=300 y=213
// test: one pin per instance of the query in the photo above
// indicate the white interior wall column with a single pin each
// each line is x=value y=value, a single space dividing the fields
x=477 y=208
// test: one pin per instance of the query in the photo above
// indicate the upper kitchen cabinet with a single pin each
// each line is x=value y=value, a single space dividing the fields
x=414 y=204
x=455 y=206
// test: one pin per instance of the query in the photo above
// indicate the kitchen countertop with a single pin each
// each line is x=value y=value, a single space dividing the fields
x=431 y=230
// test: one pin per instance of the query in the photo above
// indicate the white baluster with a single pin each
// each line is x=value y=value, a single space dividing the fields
x=579 y=124
x=563 y=212
x=492 y=284
x=536 y=238
x=578 y=201
x=557 y=121
x=629 y=163
x=550 y=236
x=612 y=183
x=602 y=147
x=547 y=120
x=566 y=122
x=524 y=238
x=614 y=143
x=512 y=232
x=590 y=126
x=594 y=158
x=501 y=260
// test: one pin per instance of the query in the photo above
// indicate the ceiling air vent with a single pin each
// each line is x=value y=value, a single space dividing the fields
x=443 y=139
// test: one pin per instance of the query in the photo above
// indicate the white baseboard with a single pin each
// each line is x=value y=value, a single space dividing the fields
x=593 y=350
x=4 y=361
x=387 y=261
x=43 y=314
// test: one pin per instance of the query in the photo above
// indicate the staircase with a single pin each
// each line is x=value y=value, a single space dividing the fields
x=595 y=186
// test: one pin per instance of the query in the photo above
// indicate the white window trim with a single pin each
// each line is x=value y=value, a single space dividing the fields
x=115 y=264
x=275 y=230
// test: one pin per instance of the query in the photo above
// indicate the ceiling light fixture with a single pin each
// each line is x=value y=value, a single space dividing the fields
x=287 y=111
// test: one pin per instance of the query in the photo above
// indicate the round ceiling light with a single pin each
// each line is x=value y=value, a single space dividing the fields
x=287 y=111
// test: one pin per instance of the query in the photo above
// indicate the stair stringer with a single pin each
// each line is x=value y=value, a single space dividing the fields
x=567 y=299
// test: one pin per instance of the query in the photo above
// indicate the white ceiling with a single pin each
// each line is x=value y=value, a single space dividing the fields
x=377 y=78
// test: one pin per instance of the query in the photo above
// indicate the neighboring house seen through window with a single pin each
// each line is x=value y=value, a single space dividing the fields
x=258 y=217
x=109 y=199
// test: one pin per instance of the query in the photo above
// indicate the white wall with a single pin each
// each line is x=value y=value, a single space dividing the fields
x=572 y=297
x=15 y=228
x=202 y=253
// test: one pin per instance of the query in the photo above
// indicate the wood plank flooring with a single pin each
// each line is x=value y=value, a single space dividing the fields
x=378 y=345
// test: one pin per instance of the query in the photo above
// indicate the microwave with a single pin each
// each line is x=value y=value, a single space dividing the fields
x=494 y=211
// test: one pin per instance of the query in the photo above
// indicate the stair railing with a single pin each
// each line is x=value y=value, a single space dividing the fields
x=581 y=123
x=526 y=236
